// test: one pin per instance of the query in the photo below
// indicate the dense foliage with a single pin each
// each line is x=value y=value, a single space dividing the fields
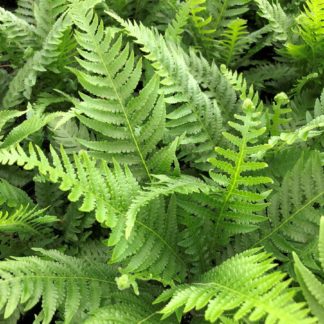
x=162 y=160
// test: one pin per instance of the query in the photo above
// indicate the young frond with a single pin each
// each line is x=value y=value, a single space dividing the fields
x=243 y=285
x=313 y=288
x=61 y=282
x=239 y=83
x=293 y=215
x=233 y=41
x=239 y=202
x=130 y=126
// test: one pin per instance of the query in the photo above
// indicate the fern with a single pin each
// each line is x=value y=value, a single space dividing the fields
x=25 y=220
x=202 y=114
x=52 y=278
x=293 y=217
x=280 y=22
x=21 y=85
x=243 y=285
x=130 y=125
x=237 y=204
x=225 y=11
x=313 y=289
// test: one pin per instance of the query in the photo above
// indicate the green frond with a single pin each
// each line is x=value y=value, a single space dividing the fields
x=151 y=251
x=17 y=33
x=235 y=168
x=61 y=282
x=130 y=127
x=293 y=217
x=233 y=42
x=277 y=120
x=23 y=82
x=280 y=22
x=128 y=309
x=245 y=91
x=27 y=128
x=199 y=116
x=46 y=13
x=25 y=220
x=243 y=285
x=86 y=179
x=224 y=11
x=25 y=10
x=312 y=129
x=165 y=186
x=202 y=23
x=313 y=288
x=177 y=26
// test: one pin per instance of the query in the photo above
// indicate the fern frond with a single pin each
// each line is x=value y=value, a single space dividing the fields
x=131 y=126
x=245 y=91
x=202 y=24
x=23 y=82
x=313 y=288
x=83 y=178
x=25 y=220
x=128 y=309
x=151 y=250
x=60 y=281
x=177 y=26
x=243 y=285
x=224 y=11
x=233 y=43
x=200 y=116
x=165 y=186
x=25 y=10
x=238 y=203
x=293 y=217
x=17 y=33
x=280 y=22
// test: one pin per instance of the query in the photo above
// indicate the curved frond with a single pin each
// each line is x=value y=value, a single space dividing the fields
x=243 y=285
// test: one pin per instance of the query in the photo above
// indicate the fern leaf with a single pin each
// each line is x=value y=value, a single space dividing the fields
x=277 y=18
x=59 y=280
x=25 y=220
x=237 y=202
x=163 y=187
x=201 y=114
x=23 y=82
x=293 y=220
x=242 y=285
x=132 y=125
x=313 y=289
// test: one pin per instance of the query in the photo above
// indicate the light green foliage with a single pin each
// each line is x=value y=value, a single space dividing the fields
x=159 y=159
x=243 y=285
x=238 y=205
